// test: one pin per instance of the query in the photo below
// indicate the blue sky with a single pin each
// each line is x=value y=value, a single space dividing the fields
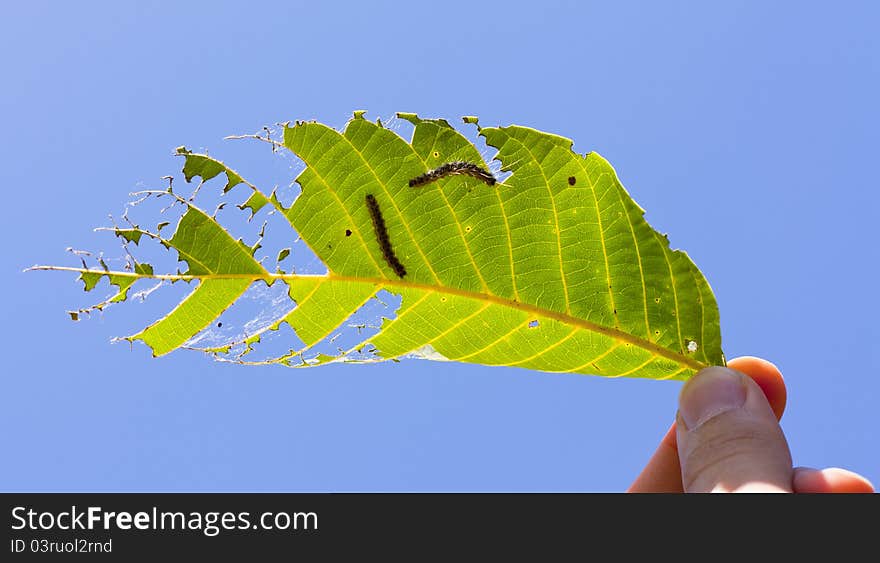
x=748 y=131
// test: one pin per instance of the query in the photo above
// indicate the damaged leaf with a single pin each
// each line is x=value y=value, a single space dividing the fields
x=552 y=268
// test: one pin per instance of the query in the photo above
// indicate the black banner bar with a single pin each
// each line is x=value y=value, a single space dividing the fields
x=124 y=525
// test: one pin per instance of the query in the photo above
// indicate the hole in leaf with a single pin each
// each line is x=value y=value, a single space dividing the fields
x=534 y=323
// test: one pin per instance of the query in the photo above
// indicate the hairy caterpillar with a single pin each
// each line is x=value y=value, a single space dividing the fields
x=382 y=236
x=453 y=169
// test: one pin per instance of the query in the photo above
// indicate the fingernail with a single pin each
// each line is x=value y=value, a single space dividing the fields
x=711 y=392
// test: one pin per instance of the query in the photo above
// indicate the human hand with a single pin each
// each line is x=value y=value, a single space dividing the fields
x=727 y=438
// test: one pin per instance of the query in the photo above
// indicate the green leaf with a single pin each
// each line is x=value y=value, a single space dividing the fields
x=130 y=235
x=207 y=168
x=255 y=202
x=552 y=269
x=225 y=268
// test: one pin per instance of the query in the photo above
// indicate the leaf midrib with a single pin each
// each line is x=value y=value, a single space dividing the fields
x=382 y=283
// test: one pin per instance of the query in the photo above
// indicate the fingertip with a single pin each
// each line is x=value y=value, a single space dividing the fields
x=767 y=376
x=711 y=392
x=830 y=480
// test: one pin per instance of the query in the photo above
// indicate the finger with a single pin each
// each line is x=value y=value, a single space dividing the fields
x=831 y=480
x=767 y=376
x=728 y=436
x=662 y=474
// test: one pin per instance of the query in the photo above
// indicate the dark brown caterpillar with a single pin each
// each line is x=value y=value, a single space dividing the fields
x=453 y=169
x=382 y=236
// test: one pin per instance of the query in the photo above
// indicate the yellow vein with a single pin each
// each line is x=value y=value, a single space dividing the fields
x=638 y=254
x=454 y=326
x=555 y=220
x=509 y=243
x=673 y=374
x=304 y=349
x=497 y=192
x=401 y=314
x=457 y=222
x=408 y=310
x=393 y=203
x=305 y=300
x=650 y=359
x=702 y=343
x=666 y=252
x=547 y=349
x=491 y=344
x=341 y=204
x=594 y=360
x=580 y=161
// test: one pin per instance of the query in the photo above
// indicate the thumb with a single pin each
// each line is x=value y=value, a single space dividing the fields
x=728 y=436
